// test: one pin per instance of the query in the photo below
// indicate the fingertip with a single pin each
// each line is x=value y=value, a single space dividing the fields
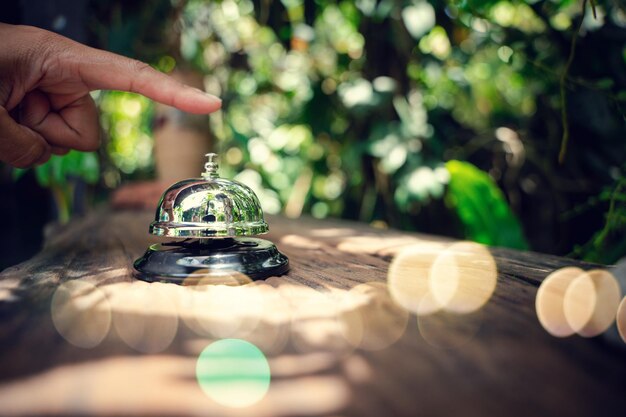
x=196 y=101
x=207 y=96
x=213 y=103
x=43 y=152
x=86 y=145
x=45 y=156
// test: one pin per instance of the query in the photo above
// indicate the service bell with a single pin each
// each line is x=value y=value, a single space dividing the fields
x=211 y=219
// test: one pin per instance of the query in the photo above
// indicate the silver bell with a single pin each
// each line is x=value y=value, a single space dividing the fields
x=209 y=207
x=214 y=216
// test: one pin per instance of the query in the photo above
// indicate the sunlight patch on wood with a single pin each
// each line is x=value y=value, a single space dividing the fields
x=333 y=232
x=379 y=245
x=446 y=330
x=315 y=326
x=300 y=242
x=370 y=319
x=145 y=316
x=298 y=365
x=81 y=313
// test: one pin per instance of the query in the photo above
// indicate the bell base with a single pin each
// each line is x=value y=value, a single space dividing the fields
x=178 y=261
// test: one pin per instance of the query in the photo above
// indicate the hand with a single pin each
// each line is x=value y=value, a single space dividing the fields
x=45 y=80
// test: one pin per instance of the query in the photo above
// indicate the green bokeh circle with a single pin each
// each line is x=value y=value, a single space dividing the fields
x=233 y=373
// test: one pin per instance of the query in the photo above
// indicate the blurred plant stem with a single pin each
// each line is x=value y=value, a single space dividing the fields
x=608 y=245
x=61 y=174
x=63 y=195
x=566 y=68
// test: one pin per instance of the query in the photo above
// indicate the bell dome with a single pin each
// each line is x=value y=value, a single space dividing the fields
x=208 y=207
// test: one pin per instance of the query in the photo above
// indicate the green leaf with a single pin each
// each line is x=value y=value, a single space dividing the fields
x=59 y=169
x=418 y=19
x=56 y=166
x=482 y=208
x=18 y=173
x=43 y=174
x=71 y=163
x=90 y=168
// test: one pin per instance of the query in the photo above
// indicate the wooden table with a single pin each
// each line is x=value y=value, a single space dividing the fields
x=332 y=349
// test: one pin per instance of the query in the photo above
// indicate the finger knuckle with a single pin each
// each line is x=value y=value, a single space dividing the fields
x=140 y=66
x=43 y=46
x=138 y=69
x=3 y=113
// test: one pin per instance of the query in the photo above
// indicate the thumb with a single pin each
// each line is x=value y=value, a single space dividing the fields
x=20 y=146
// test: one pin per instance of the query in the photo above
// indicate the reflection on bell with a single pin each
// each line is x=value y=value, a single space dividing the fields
x=212 y=218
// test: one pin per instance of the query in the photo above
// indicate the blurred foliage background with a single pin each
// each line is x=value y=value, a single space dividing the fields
x=434 y=116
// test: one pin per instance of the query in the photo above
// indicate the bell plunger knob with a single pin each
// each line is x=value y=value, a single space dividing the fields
x=210 y=167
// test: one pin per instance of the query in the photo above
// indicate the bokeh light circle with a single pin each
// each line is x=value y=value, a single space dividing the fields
x=370 y=319
x=408 y=278
x=550 y=299
x=81 y=313
x=145 y=316
x=271 y=334
x=196 y=296
x=315 y=324
x=449 y=331
x=225 y=311
x=205 y=276
x=591 y=301
x=233 y=373
x=621 y=319
x=463 y=277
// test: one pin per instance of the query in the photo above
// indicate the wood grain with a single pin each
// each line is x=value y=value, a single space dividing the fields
x=492 y=362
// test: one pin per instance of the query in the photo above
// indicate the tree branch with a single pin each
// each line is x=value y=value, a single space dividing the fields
x=568 y=64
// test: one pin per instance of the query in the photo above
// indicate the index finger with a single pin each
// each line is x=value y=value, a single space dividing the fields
x=107 y=71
